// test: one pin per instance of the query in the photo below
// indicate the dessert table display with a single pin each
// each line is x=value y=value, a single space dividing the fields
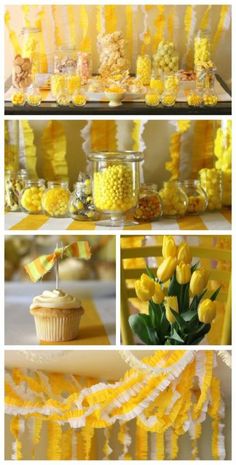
x=162 y=405
x=97 y=74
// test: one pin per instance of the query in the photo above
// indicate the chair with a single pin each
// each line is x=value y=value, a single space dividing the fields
x=200 y=252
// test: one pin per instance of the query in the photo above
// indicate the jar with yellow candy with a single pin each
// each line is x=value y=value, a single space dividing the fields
x=174 y=199
x=171 y=82
x=202 y=47
x=152 y=98
x=210 y=98
x=14 y=184
x=227 y=187
x=149 y=206
x=168 y=98
x=156 y=82
x=73 y=81
x=79 y=99
x=58 y=84
x=197 y=198
x=194 y=98
x=18 y=98
x=55 y=199
x=144 y=69
x=211 y=182
x=31 y=196
x=33 y=96
x=63 y=99
x=116 y=178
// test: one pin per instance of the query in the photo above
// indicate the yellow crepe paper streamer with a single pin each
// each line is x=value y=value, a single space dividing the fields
x=129 y=29
x=66 y=447
x=103 y=135
x=57 y=28
x=141 y=443
x=40 y=20
x=159 y=24
x=160 y=446
x=37 y=428
x=110 y=18
x=54 y=441
x=175 y=148
x=188 y=20
x=203 y=146
x=12 y=35
x=15 y=431
x=54 y=147
x=137 y=124
x=26 y=11
x=71 y=13
x=29 y=147
x=85 y=44
x=87 y=437
x=224 y=11
x=170 y=22
x=99 y=13
x=11 y=152
x=204 y=23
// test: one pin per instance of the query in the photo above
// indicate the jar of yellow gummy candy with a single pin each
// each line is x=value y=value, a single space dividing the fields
x=116 y=179
x=174 y=199
x=31 y=196
x=55 y=199
x=211 y=182
x=197 y=198
x=156 y=82
x=144 y=69
x=194 y=98
x=202 y=47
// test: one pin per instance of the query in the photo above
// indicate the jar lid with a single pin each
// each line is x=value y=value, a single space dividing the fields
x=123 y=156
x=58 y=183
x=30 y=29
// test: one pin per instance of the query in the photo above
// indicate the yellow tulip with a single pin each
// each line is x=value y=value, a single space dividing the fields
x=206 y=311
x=166 y=269
x=159 y=295
x=145 y=288
x=184 y=253
x=183 y=273
x=171 y=302
x=198 y=281
x=169 y=248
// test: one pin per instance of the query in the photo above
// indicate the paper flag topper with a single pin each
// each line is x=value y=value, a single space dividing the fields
x=43 y=264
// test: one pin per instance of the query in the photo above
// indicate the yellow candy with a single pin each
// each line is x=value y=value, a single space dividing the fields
x=168 y=100
x=58 y=84
x=174 y=200
x=79 y=100
x=157 y=84
x=34 y=100
x=171 y=83
x=55 y=201
x=210 y=100
x=144 y=69
x=152 y=99
x=18 y=98
x=202 y=48
x=113 y=189
x=31 y=199
x=73 y=83
x=63 y=100
x=211 y=182
x=194 y=100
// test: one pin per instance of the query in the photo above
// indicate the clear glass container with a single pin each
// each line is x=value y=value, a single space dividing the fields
x=79 y=98
x=73 y=83
x=33 y=96
x=14 y=183
x=211 y=182
x=166 y=58
x=171 y=82
x=149 y=206
x=156 y=82
x=116 y=181
x=168 y=98
x=18 y=98
x=27 y=65
x=194 y=98
x=84 y=66
x=152 y=98
x=197 y=197
x=63 y=99
x=202 y=47
x=81 y=205
x=210 y=98
x=58 y=84
x=64 y=58
x=31 y=196
x=174 y=199
x=55 y=199
x=144 y=69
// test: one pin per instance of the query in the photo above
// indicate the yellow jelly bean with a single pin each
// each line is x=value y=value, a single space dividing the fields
x=210 y=100
x=73 y=83
x=168 y=100
x=194 y=100
x=157 y=84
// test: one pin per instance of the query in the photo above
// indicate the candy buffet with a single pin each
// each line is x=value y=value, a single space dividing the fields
x=162 y=69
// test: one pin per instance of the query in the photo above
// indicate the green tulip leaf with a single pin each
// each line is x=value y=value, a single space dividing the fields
x=175 y=338
x=150 y=273
x=155 y=314
x=141 y=326
x=196 y=300
x=215 y=294
x=194 y=267
x=179 y=320
x=198 y=334
x=174 y=286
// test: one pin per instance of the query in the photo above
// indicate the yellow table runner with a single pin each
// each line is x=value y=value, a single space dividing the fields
x=92 y=330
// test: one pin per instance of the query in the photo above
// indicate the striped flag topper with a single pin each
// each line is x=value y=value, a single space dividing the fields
x=43 y=264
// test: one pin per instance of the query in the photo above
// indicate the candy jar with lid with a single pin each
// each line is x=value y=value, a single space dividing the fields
x=64 y=58
x=81 y=205
x=171 y=82
x=149 y=206
x=55 y=199
x=144 y=69
x=174 y=199
x=197 y=197
x=58 y=84
x=202 y=47
x=116 y=179
x=13 y=185
x=27 y=64
x=84 y=66
x=211 y=182
x=31 y=196
x=73 y=81
x=33 y=96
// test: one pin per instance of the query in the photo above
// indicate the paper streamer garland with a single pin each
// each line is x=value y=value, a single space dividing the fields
x=54 y=145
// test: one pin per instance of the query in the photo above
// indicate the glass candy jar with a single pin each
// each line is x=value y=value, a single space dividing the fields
x=197 y=198
x=149 y=206
x=18 y=98
x=144 y=69
x=202 y=47
x=210 y=98
x=65 y=58
x=55 y=199
x=211 y=182
x=84 y=66
x=81 y=205
x=194 y=98
x=73 y=82
x=168 y=98
x=116 y=179
x=58 y=84
x=156 y=82
x=14 y=184
x=26 y=65
x=31 y=196
x=152 y=98
x=174 y=199
x=33 y=96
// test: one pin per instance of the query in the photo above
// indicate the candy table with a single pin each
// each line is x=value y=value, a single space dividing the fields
x=97 y=325
x=207 y=221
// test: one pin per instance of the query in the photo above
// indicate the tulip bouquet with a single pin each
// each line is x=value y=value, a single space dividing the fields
x=178 y=313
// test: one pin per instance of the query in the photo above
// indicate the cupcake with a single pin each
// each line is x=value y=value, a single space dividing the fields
x=57 y=316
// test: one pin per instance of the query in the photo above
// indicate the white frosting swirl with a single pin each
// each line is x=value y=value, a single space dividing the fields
x=55 y=299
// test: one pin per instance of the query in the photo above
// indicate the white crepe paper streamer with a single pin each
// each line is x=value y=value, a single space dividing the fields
x=226 y=357
x=227 y=20
x=123 y=131
x=21 y=431
x=145 y=22
x=126 y=444
x=191 y=35
x=103 y=20
x=142 y=146
x=135 y=39
x=107 y=439
x=85 y=135
x=42 y=356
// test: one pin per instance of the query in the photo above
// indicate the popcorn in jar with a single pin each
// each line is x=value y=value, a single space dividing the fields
x=13 y=186
x=116 y=180
x=55 y=199
x=174 y=199
x=149 y=206
x=31 y=196
x=197 y=198
x=211 y=182
x=144 y=69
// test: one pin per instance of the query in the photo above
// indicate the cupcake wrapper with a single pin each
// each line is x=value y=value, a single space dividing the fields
x=57 y=329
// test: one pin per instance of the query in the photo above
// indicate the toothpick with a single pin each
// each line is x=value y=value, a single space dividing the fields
x=57 y=269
